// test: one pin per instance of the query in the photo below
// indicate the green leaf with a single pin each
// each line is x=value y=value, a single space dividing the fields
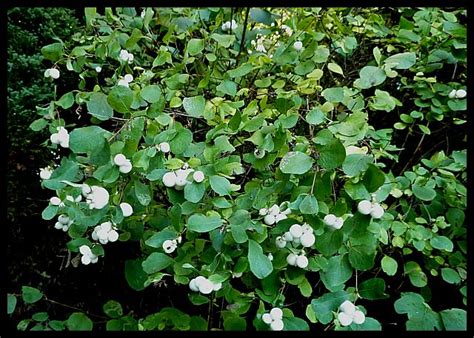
x=53 y=52
x=315 y=116
x=194 y=106
x=151 y=93
x=454 y=319
x=38 y=124
x=78 y=321
x=261 y=15
x=157 y=261
x=240 y=71
x=389 y=265
x=450 y=276
x=66 y=101
x=135 y=275
x=309 y=205
x=87 y=139
x=142 y=192
x=335 y=68
x=373 y=178
x=441 y=243
x=401 y=60
x=424 y=129
x=383 y=101
x=120 y=99
x=90 y=14
x=420 y=315
x=337 y=272
x=373 y=289
x=67 y=171
x=295 y=162
x=295 y=324
x=113 y=309
x=220 y=185
x=417 y=276
x=228 y=87
x=260 y=264
x=195 y=46
x=98 y=107
x=194 y=192
x=181 y=141
x=370 y=76
x=335 y=94
x=201 y=223
x=331 y=154
x=157 y=239
x=329 y=242
x=11 y=303
x=356 y=163
x=423 y=193
x=224 y=40
x=324 y=305
x=30 y=295
x=235 y=323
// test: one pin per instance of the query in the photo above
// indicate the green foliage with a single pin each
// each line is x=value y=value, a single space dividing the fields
x=262 y=136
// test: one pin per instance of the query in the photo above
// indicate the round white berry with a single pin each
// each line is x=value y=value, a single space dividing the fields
x=199 y=280
x=123 y=83
x=126 y=168
x=344 y=319
x=54 y=138
x=192 y=285
x=452 y=94
x=99 y=197
x=85 y=250
x=347 y=307
x=274 y=210
x=86 y=189
x=206 y=286
x=98 y=69
x=329 y=219
x=358 y=317
x=45 y=173
x=267 y=319
x=307 y=228
x=307 y=239
x=263 y=211
x=280 y=242
x=85 y=260
x=298 y=45
x=120 y=159
x=198 y=176
x=64 y=219
x=296 y=231
x=58 y=225
x=302 y=261
x=181 y=181
x=338 y=223
x=291 y=259
x=54 y=73
x=364 y=207
x=280 y=217
x=269 y=219
x=461 y=93
x=126 y=208
x=287 y=236
x=113 y=236
x=276 y=313
x=169 y=246
x=128 y=78
x=377 y=211
x=277 y=325
x=169 y=179
x=217 y=286
x=55 y=200
x=164 y=147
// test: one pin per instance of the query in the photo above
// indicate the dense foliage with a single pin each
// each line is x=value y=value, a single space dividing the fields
x=277 y=166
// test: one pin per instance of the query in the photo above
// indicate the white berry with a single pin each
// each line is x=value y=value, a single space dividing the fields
x=126 y=208
x=276 y=313
x=198 y=176
x=120 y=159
x=291 y=259
x=277 y=325
x=329 y=219
x=347 y=307
x=338 y=223
x=55 y=200
x=263 y=211
x=461 y=93
x=287 y=237
x=126 y=168
x=364 y=207
x=269 y=219
x=358 y=317
x=296 y=231
x=206 y=286
x=280 y=242
x=344 y=319
x=169 y=179
x=307 y=239
x=298 y=45
x=302 y=261
x=377 y=211
x=192 y=285
x=452 y=94
x=267 y=319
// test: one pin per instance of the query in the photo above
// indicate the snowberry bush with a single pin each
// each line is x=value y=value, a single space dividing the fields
x=249 y=153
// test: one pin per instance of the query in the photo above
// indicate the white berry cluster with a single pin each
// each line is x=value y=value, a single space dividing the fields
x=170 y=245
x=126 y=56
x=52 y=73
x=288 y=31
x=164 y=147
x=124 y=164
x=274 y=318
x=126 y=208
x=125 y=81
x=298 y=234
x=179 y=178
x=300 y=261
x=45 y=173
x=275 y=213
x=87 y=255
x=204 y=285
x=63 y=223
x=366 y=207
x=458 y=94
x=61 y=137
x=350 y=314
x=229 y=25
x=258 y=44
x=96 y=197
x=333 y=221
x=298 y=45
x=105 y=233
